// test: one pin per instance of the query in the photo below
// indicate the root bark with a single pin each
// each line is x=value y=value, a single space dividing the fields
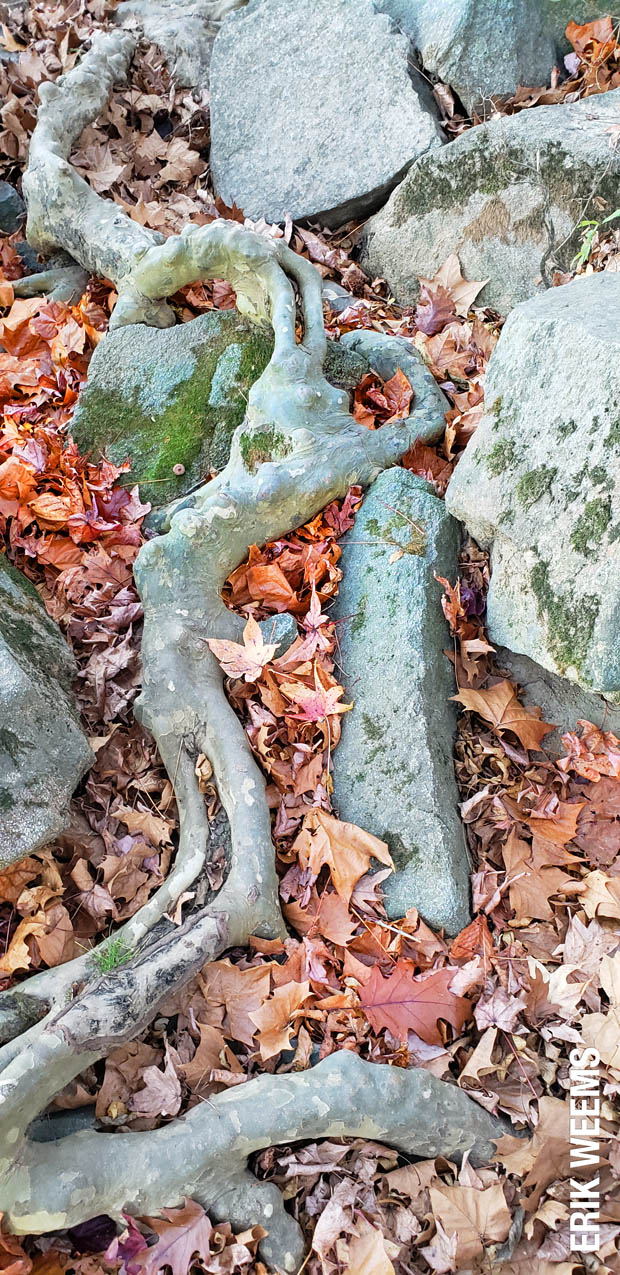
x=297 y=449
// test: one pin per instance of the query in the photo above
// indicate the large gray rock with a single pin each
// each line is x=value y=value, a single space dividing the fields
x=43 y=750
x=506 y=197
x=539 y=482
x=169 y=397
x=393 y=768
x=313 y=112
x=478 y=47
x=562 y=702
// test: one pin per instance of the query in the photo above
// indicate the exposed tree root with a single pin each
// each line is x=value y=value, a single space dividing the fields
x=297 y=449
x=204 y=1154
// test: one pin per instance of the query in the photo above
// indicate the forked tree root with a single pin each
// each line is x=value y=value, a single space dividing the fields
x=297 y=449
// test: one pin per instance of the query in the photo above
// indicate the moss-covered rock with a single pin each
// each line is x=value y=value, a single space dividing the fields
x=506 y=197
x=43 y=750
x=170 y=397
x=539 y=483
x=169 y=400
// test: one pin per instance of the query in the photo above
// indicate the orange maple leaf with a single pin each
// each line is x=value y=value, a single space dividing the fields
x=343 y=847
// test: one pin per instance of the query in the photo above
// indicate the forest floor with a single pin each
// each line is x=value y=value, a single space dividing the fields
x=499 y=1008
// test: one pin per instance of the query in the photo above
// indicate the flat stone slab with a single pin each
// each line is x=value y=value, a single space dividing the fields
x=506 y=197
x=539 y=483
x=167 y=397
x=43 y=750
x=393 y=767
x=313 y=112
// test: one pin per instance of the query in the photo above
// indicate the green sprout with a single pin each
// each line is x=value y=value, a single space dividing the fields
x=592 y=227
x=111 y=954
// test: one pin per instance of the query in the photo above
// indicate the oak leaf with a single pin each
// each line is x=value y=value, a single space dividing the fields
x=403 y=1002
x=499 y=706
x=343 y=847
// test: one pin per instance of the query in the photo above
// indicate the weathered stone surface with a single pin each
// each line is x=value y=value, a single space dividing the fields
x=43 y=750
x=313 y=112
x=184 y=30
x=175 y=396
x=506 y=196
x=12 y=208
x=558 y=14
x=478 y=47
x=562 y=702
x=540 y=482
x=393 y=769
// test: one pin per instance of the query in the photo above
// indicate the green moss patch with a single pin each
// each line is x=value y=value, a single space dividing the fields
x=533 y=485
x=591 y=524
x=178 y=413
x=569 y=624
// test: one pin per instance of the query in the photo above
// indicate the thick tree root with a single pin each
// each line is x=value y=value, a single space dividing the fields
x=297 y=449
x=204 y=1155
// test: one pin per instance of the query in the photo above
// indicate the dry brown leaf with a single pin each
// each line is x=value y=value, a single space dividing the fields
x=343 y=847
x=275 y=1020
x=499 y=705
x=477 y=1218
x=232 y=996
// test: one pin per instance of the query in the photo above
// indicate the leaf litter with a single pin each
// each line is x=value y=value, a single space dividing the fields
x=497 y=1009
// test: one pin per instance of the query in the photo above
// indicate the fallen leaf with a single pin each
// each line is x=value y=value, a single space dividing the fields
x=477 y=1218
x=184 y=1234
x=499 y=705
x=275 y=1018
x=343 y=847
x=403 y=1002
x=245 y=661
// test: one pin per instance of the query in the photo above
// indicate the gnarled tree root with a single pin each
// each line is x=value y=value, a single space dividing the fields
x=204 y=1154
x=297 y=449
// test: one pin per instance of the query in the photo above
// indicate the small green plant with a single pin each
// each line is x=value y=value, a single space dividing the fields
x=591 y=228
x=111 y=954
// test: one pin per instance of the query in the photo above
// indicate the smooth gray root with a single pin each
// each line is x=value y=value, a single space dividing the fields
x=61 y=1183
x=297 y=449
